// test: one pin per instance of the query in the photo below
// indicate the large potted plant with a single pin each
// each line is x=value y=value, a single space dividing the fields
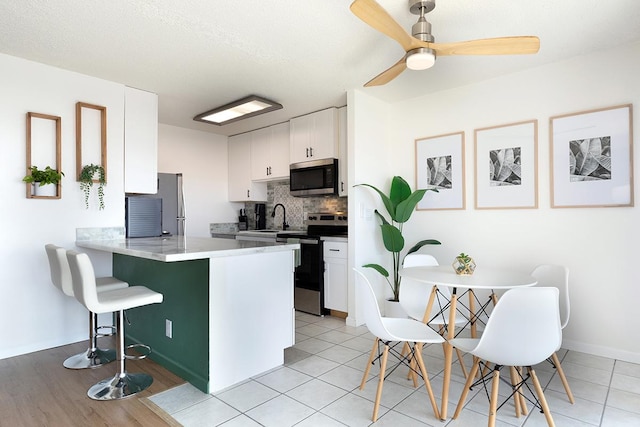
x=400 y=204
x=40 y=178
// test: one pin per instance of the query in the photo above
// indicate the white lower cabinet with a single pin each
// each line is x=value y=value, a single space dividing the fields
x=335 y=276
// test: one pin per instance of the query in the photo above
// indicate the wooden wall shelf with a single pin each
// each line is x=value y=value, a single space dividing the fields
x=37 y=141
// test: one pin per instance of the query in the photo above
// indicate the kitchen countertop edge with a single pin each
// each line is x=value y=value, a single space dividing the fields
x=177 y=248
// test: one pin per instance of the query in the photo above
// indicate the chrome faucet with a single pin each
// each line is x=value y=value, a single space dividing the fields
x=284 y=215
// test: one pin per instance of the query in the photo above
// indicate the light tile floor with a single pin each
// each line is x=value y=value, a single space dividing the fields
x=319 y=386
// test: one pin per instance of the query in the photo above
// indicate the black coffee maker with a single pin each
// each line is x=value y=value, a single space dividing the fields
x=261 y=216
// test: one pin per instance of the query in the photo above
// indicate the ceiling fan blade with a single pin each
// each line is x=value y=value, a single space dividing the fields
x=389 y=74
x=374 y=15
x=496 y=46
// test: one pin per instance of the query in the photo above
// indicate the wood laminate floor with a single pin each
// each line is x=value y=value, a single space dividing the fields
x=36 y=390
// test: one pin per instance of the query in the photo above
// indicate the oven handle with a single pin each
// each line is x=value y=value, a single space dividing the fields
x=298 y=240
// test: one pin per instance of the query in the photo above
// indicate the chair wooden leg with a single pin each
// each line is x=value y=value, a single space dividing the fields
x=427 y=383
x=383 y=367
x=493 y=404
x=516 y=396
x=372 y=355
x=464 y=369
x=540 y=393
x=465 y=390
x=523 y=401
x=565 y=383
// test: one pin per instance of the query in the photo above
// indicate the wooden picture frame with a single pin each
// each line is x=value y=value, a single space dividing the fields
x=32 y=133
x=592 y=158
x=439 y=163
x=506 y=162
x=101 y=137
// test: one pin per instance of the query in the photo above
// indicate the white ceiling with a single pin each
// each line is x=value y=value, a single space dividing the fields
x=199 y=54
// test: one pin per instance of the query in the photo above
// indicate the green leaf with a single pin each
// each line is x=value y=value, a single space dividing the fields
x=392 y=238
x=400 y=191
x=406 y=208
x=380 y=269
x=422 y=243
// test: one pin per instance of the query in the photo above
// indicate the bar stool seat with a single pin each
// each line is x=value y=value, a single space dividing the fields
x=94 y=356
x=123 y=384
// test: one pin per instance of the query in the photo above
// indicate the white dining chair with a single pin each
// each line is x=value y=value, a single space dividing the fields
x=414 y=298
x=389 y=330
x=557 y=276
x=523 y=330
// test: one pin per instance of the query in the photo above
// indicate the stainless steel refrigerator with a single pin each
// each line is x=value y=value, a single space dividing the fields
x=173 y=210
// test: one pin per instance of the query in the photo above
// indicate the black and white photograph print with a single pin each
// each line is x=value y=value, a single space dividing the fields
x=506 y=166
x=439 y=172
x=591 y=158
x=440 y=166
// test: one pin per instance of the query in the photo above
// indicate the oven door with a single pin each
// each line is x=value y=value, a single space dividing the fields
x=309 y=275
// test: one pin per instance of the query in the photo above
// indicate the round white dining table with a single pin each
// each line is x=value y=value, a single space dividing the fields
x=482 y=278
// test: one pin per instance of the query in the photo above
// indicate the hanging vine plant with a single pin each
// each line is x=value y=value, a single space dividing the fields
x=87 y=178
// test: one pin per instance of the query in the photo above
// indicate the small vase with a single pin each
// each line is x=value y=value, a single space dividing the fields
x=464 y=266
x=47 y=190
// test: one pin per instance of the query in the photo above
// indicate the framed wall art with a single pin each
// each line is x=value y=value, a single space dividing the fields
x=591 y=158
x=440 y=165
x=506 y=160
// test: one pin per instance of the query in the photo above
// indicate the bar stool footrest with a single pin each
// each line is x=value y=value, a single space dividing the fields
x=111 y=328
x=141 y=356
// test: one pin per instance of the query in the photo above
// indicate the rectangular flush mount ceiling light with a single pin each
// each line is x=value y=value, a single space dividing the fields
x=238 y=110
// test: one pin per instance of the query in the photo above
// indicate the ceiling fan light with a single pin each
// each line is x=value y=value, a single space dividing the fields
x=421 y=59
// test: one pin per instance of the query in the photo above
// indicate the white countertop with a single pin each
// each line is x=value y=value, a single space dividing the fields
x=179 y=248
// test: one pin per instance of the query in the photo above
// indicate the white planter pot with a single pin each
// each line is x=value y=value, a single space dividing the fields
x=48 y=190
x=394 y=309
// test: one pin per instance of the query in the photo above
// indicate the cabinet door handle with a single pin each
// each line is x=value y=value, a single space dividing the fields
x=307 y=152
x=269 y=170
x=247 y=194
x=341 y=186
x=334 y=250
x=311 y=151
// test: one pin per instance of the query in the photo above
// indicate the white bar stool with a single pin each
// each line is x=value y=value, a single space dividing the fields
x=123 y=384
x=93 y=357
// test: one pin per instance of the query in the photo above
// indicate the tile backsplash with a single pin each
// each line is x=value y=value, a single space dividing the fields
x=297 y=207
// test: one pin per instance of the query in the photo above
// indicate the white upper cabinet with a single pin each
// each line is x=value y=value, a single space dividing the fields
x=241 y=186
x=140 y=141
x=314 y=136
x=343 y=185
x=270 y=153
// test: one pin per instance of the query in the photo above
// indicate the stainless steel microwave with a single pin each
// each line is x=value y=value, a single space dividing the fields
x=314 y=178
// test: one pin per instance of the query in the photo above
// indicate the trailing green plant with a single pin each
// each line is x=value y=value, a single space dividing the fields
x=87 y=177
x=44 y=177
x=400 y=204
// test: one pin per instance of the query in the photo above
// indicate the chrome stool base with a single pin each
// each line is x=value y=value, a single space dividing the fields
x=120 y=387
x=91 y=358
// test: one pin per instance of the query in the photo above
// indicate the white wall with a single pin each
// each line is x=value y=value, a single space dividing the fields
x=201 y=157
x=369 y=155
x=598 y=245
x=35 y=315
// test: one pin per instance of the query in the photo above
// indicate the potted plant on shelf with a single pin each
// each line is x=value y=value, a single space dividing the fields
x=41 y=178
x=400 y=204
x=87 y=178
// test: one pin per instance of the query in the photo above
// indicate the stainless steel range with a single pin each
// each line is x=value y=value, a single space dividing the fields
x=309 y=275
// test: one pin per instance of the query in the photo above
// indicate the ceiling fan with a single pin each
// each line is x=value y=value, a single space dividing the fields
x=420 y=49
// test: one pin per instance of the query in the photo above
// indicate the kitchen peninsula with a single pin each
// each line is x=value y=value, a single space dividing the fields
x=227 y=312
